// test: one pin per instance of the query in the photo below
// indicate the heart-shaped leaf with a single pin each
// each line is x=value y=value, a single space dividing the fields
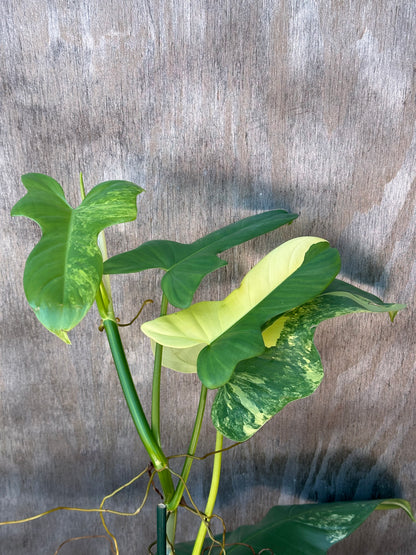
x=291 y=367
x=222 y=333
x=186 y=265
x=64 y=270
x=299 y=529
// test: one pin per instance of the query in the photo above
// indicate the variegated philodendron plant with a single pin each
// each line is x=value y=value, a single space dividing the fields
x=255 y=347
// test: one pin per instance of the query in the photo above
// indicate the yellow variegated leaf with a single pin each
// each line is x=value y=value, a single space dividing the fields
x=184 y=334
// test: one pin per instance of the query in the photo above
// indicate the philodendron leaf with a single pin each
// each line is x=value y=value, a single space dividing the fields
x=64 y=270
x=222 y=333
x=290 y=368
x=298 y=529
x=186 y=264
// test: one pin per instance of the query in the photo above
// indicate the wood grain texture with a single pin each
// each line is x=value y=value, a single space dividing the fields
x=220 y=110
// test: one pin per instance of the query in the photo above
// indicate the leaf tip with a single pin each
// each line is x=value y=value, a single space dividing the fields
x=62 y=335
x=393 y=313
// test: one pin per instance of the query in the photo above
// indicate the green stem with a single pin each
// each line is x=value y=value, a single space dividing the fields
x=209 y=509
x=180 y=488
x=171 y=531
x=157 y=369
x=151 y=442
x=155 y=452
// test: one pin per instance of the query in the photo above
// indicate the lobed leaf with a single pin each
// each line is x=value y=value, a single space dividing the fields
x=186 y=264
x=299 y=529
x=290 y=368
x=64 y=270
x=222 y=333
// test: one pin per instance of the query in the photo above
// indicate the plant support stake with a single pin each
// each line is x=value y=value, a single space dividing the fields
x=161 y=529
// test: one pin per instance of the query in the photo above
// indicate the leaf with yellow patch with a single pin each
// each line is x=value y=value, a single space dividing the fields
x=64 y=270
x=290 y=368
x=219 y=334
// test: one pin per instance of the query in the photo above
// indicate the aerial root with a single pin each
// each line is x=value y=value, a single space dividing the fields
x=151 y=472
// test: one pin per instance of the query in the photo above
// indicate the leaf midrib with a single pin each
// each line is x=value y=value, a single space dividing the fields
x=67 y=249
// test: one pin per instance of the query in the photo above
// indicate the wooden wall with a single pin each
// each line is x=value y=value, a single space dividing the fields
x=220 y=109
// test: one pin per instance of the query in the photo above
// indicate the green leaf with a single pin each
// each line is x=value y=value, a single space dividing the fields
x=299 y=529
x=64 y=270
x=222 y=333
x=186 y=264
x=290 y=368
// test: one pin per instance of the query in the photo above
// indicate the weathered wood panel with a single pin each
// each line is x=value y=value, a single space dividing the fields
x=220 y=109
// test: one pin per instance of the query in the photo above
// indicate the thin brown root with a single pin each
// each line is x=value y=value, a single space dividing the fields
x=147 y=301
x=194 y=510
x=151 y=472
x=126 y=514
x=86 y=538
x=149 y=548
x=210 y=454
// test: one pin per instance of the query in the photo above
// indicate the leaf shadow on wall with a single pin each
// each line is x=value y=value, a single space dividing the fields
x=341 y=475
x=209 y=196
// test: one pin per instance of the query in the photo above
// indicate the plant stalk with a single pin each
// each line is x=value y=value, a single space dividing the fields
x=157 y=370
x=209 y=509
x=155 y=417
x=180 y=488
x=155 y=452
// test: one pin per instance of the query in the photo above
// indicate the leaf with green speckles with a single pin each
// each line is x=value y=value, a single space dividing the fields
x=290 y=367
x=299 y=529
x=217 y=335
x=186 y=265
x=64 y=270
